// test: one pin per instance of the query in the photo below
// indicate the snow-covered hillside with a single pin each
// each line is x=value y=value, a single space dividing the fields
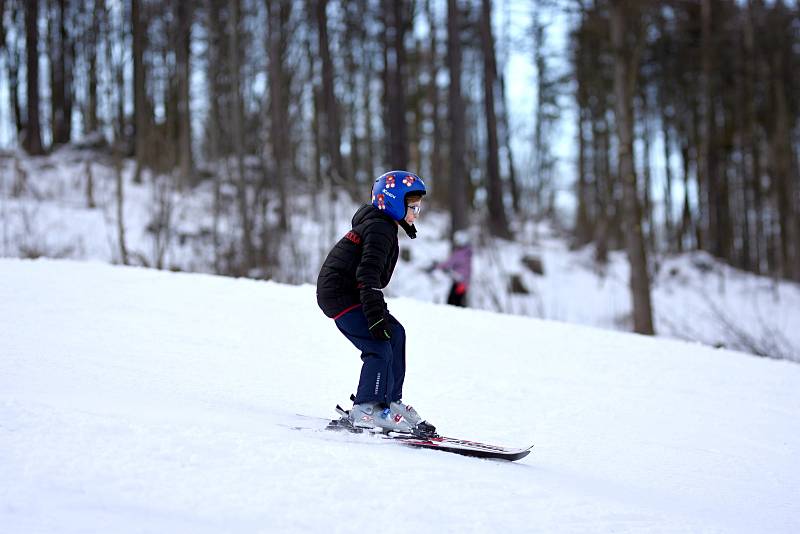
x=44 y=212
x=135 y=400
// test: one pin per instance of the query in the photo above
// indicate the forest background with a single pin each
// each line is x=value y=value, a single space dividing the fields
x=655 y=128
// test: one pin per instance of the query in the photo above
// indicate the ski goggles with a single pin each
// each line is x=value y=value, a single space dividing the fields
x=415 y=208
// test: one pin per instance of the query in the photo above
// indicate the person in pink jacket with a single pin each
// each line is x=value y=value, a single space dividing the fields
x=459 y=267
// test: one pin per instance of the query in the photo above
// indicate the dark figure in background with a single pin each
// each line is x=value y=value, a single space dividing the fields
x=459 y=267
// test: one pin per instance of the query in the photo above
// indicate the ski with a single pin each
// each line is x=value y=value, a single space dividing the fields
x=433 y=441
x=464 y=447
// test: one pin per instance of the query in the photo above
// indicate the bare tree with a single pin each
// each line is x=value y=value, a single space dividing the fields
x=434 y=98
x=214 y=124
x=591 y=219
x=626 y=23
x=498 y=223
x=33 y=138
x=2 y=25
x=329 y=126
x=396 y=23
x=237 y=128
x=183 y=34
x=784 y=167
x=114 y=63
x=278 y=18
x=710 y=175
x=61 y=52
x=457 y=186
x=13 y=53
x=90 y=50
x=665 y=96
x=546 y=113
x=141 y=108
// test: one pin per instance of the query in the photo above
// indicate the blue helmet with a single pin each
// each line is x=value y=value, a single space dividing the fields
x=390 y=190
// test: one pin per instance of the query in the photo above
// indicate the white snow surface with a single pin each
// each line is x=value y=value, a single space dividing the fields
x=136 y=400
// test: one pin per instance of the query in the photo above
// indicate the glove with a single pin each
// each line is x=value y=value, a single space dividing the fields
x=380 y=331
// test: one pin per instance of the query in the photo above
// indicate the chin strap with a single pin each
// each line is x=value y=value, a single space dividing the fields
x=410 y=229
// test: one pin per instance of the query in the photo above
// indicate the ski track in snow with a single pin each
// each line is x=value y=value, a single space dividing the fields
x=134 y=400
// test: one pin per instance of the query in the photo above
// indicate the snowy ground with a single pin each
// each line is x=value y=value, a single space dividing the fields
x=43 y=212
x=135 y=400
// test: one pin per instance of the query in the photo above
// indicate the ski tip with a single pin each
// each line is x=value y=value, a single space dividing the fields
x=524 y=452
x=520 y=456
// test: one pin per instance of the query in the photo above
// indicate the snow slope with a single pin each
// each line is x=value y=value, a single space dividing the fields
x=134 y=400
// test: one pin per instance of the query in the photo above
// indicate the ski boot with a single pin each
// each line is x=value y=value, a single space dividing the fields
x=420 y=426
x=374 y=416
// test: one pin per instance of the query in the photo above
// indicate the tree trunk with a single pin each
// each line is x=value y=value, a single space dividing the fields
x=506 y=129
x=457 y=186
x=213 y=126
x=582 y=230
x=2 y=25
x=625 y=67
x=14 y=59
x=707 y=174
x=602 y=190
x=394 y=83
x=141 y=109
x=665 y=128
x=369 y=133
x=120 y=197
x=505 y=120
x=498 y=224
x=91 y=49
x=122 y=121
x=546 y=96
x=60 y=72
x=56 y=68
x=278 y=15
x=316 y=118
x=90 y=203
x=237 y=128
x=783 y=176
x=183 y=17
x=685 y=231
x=751 y=142
x=647 y=204
x=329 y=123
x=33 y=137
x=433 y=96
x=68 y=42
x=356 y=98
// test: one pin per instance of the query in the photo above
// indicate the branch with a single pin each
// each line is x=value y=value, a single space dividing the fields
x=768 y=343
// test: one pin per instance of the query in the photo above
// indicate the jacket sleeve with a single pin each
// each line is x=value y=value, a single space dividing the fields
x=449 y=263
x=368 y=274
x=458 y=263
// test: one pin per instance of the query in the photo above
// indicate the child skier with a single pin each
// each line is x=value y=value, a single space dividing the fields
x=349 y=291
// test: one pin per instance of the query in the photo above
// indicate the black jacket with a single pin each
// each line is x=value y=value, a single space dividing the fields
x=359 y=266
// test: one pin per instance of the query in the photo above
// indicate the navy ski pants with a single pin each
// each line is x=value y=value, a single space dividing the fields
x=384 y=362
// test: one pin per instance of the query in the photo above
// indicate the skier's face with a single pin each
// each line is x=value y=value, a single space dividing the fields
x=412 y=211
